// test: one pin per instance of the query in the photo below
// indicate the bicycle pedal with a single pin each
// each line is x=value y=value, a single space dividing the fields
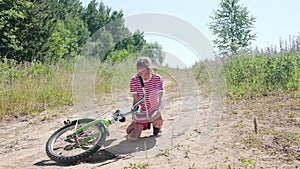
x=66 y=122
x=123 y=119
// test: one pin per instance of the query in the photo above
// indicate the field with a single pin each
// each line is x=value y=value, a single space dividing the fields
x=254 y=124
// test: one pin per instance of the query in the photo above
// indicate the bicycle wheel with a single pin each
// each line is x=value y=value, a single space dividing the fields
x=66 y=147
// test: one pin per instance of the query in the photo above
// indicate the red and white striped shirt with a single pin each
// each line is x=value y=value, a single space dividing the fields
x=153 y=87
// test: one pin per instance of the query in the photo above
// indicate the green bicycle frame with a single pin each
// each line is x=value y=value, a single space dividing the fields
x=107 y=122
x=86 y=140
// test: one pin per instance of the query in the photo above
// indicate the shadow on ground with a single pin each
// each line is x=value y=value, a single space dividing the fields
x=125 y=149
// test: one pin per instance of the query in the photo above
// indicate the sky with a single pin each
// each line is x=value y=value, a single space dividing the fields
x=274 y=19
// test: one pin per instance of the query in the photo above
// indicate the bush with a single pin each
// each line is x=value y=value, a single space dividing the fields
x=258 y=75
x=251 y=76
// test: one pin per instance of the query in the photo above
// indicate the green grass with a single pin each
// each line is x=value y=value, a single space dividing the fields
x=136 y=166
x=253 y=76
x=30 y=88
x=259 y=75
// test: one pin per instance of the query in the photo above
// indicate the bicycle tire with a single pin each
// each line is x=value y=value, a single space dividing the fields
x=57 y=155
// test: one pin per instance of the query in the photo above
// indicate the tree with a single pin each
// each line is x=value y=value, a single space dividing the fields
x=99 y=45
x=97 y=15
x=117 y=56
x=155 y=52
x=50 y=30
x=37 y=27
x=13 y=16
x=92 y=17
x=71 y=13
x=132 y=42
x=58 y=44
x=232 y=26
x=31 y=30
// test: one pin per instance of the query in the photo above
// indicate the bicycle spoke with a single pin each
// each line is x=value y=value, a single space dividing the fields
x=66 y=145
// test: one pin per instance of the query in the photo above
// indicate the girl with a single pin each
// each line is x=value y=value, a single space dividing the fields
x=154 y=93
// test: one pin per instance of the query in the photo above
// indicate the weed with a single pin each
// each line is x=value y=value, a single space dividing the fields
x=251 y=140
x=249 y=77
x=186 y=154
x=240 y=125
x=248 y=164
x=255 y=125
x=226 y=159
x=189 y=136
x=179 y=146
x=193 y=166
x=136 y=166
x=165 y=152
x=292 y=114
x=34 y=87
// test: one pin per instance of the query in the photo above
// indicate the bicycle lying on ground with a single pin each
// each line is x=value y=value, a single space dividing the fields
x=79 y=139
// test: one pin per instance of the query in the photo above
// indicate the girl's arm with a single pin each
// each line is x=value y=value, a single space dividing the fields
x=135 y=98
x=161 y=102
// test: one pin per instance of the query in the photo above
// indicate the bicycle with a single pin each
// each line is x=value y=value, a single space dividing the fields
x=79 y=139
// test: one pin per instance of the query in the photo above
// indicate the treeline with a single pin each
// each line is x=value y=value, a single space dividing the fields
x=292 y=44
x=50 y=30
x=41 y=41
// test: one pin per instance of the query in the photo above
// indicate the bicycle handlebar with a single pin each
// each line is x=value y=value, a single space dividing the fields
x=118 y=115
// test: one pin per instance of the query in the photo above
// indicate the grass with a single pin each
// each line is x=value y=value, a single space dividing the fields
x=193 y=166
x=166 y=153
x=30 y=88
x=136 y=166
x=259 y=75
x=265 y=87
x=244 y=163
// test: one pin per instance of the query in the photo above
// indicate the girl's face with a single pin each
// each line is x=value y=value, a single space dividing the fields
x=145 y=73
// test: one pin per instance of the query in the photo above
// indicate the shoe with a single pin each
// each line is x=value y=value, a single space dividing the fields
x=156 y=131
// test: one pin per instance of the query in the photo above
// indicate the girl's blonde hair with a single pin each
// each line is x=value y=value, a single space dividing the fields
x=143 y=63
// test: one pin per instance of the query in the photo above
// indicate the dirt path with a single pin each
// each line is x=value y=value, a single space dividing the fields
x=185 y=143
x=23 y=141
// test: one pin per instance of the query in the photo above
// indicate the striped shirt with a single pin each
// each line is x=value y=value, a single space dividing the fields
x=152 y=87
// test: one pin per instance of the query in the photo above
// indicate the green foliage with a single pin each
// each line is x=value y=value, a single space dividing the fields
x=58 y=43
x=200 y=73
x=258 y=75
x=92 y=17
x=48 y=31
x=245 y=164
x=136 y=166
x=117 y=56
x=98 y=45
x=165 y=152
x=131 y=43
x=30 y=88
x=232 y=26
x=40 y=39
x=155 y=52
x=13 y=16
x=252 y=76
x=97 y=15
